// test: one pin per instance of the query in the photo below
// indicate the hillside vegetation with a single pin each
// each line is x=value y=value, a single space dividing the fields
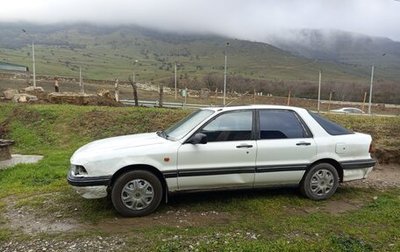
x=43 y=127
x=265 y=220
x=110 y=52
x=107 y=52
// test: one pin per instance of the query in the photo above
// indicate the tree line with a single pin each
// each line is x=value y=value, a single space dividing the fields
x=383 y=91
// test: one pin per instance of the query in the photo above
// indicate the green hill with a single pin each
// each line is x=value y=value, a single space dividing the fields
x=109 y=52
x=106 y=52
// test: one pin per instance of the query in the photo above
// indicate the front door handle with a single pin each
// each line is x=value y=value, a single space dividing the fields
x=244 y=146
x=303 y=143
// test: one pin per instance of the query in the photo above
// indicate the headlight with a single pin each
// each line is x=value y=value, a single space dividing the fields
x=78 y=170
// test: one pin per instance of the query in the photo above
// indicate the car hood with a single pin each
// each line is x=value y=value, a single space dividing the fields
x=116 y=144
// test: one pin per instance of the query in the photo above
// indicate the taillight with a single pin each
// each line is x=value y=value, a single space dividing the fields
x=371 y=148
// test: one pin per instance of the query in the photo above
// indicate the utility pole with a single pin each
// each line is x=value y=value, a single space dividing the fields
x=226 y=59
x=186 y=94
x=33 y=58
x=33 y=64
x=370 y=89
x=319 y=90
x=225 y=78
x=176 y=91
x=80 y=81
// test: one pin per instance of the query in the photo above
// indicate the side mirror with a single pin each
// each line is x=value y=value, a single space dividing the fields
x=198 y=138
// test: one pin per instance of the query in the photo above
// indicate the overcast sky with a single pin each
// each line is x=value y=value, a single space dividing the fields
x=244 y=19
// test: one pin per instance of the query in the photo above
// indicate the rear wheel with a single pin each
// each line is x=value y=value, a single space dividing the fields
x=320 y=182
x=136 y=193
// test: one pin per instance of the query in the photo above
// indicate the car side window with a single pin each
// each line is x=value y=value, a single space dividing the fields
x=230 y=126
x=281 y=124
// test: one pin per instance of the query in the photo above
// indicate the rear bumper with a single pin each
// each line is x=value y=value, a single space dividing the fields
x=358 y=164
x=354 y=174
x=358 y=169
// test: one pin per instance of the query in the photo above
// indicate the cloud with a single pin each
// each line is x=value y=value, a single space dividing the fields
x=251 y=19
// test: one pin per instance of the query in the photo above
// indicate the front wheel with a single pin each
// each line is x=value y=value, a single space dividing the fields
x=320 y=182
x=136 y=193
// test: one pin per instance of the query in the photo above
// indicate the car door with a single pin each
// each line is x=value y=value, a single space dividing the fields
x=284 y=147
x=228 y=157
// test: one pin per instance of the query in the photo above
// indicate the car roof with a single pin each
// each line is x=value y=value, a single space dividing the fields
x=232 y=108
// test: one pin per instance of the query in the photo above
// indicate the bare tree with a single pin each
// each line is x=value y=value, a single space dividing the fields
x=134 y=87
x=210 y=81
x=160 y=101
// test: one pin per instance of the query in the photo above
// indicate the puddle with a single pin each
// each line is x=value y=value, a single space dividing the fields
x=20 y=159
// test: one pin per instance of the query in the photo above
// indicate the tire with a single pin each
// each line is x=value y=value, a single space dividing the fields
x=136 y=193
x=320 y=182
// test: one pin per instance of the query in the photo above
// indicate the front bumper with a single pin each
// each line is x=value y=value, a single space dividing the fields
x=88 y=181
x=90 y=187
x=91 y=192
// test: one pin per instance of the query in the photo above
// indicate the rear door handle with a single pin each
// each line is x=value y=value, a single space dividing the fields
x=244 y=146
x=303 y=143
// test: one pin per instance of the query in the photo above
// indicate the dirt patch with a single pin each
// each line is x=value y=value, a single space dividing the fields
x=341 y=206
x=26 y=219
x=81 y=99
x=81 y=244
x=387 y=155
x=180 y=218
x=335 y=207
x=30 y=219
x=382 y=177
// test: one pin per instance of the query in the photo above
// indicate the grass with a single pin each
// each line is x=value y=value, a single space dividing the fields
x=255 y=220
x=270 y=224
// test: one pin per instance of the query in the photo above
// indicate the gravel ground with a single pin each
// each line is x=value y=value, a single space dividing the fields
x=381 y=178
x=84 y=244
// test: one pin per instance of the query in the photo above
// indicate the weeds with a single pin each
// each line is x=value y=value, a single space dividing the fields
x=248 y=220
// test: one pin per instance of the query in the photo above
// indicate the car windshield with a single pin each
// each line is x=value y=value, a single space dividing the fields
x=183 y=127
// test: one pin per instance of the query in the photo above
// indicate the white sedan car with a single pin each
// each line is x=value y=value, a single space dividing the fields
x=348 y=111
x=222 y=148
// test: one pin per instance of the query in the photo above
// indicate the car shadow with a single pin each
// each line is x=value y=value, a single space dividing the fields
x=221 y=196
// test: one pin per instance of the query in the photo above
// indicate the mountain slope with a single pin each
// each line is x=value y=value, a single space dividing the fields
x=110 y=52
x=106 y=52
x=356 y=50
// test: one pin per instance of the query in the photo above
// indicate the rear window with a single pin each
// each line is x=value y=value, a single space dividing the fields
x=330 y=127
